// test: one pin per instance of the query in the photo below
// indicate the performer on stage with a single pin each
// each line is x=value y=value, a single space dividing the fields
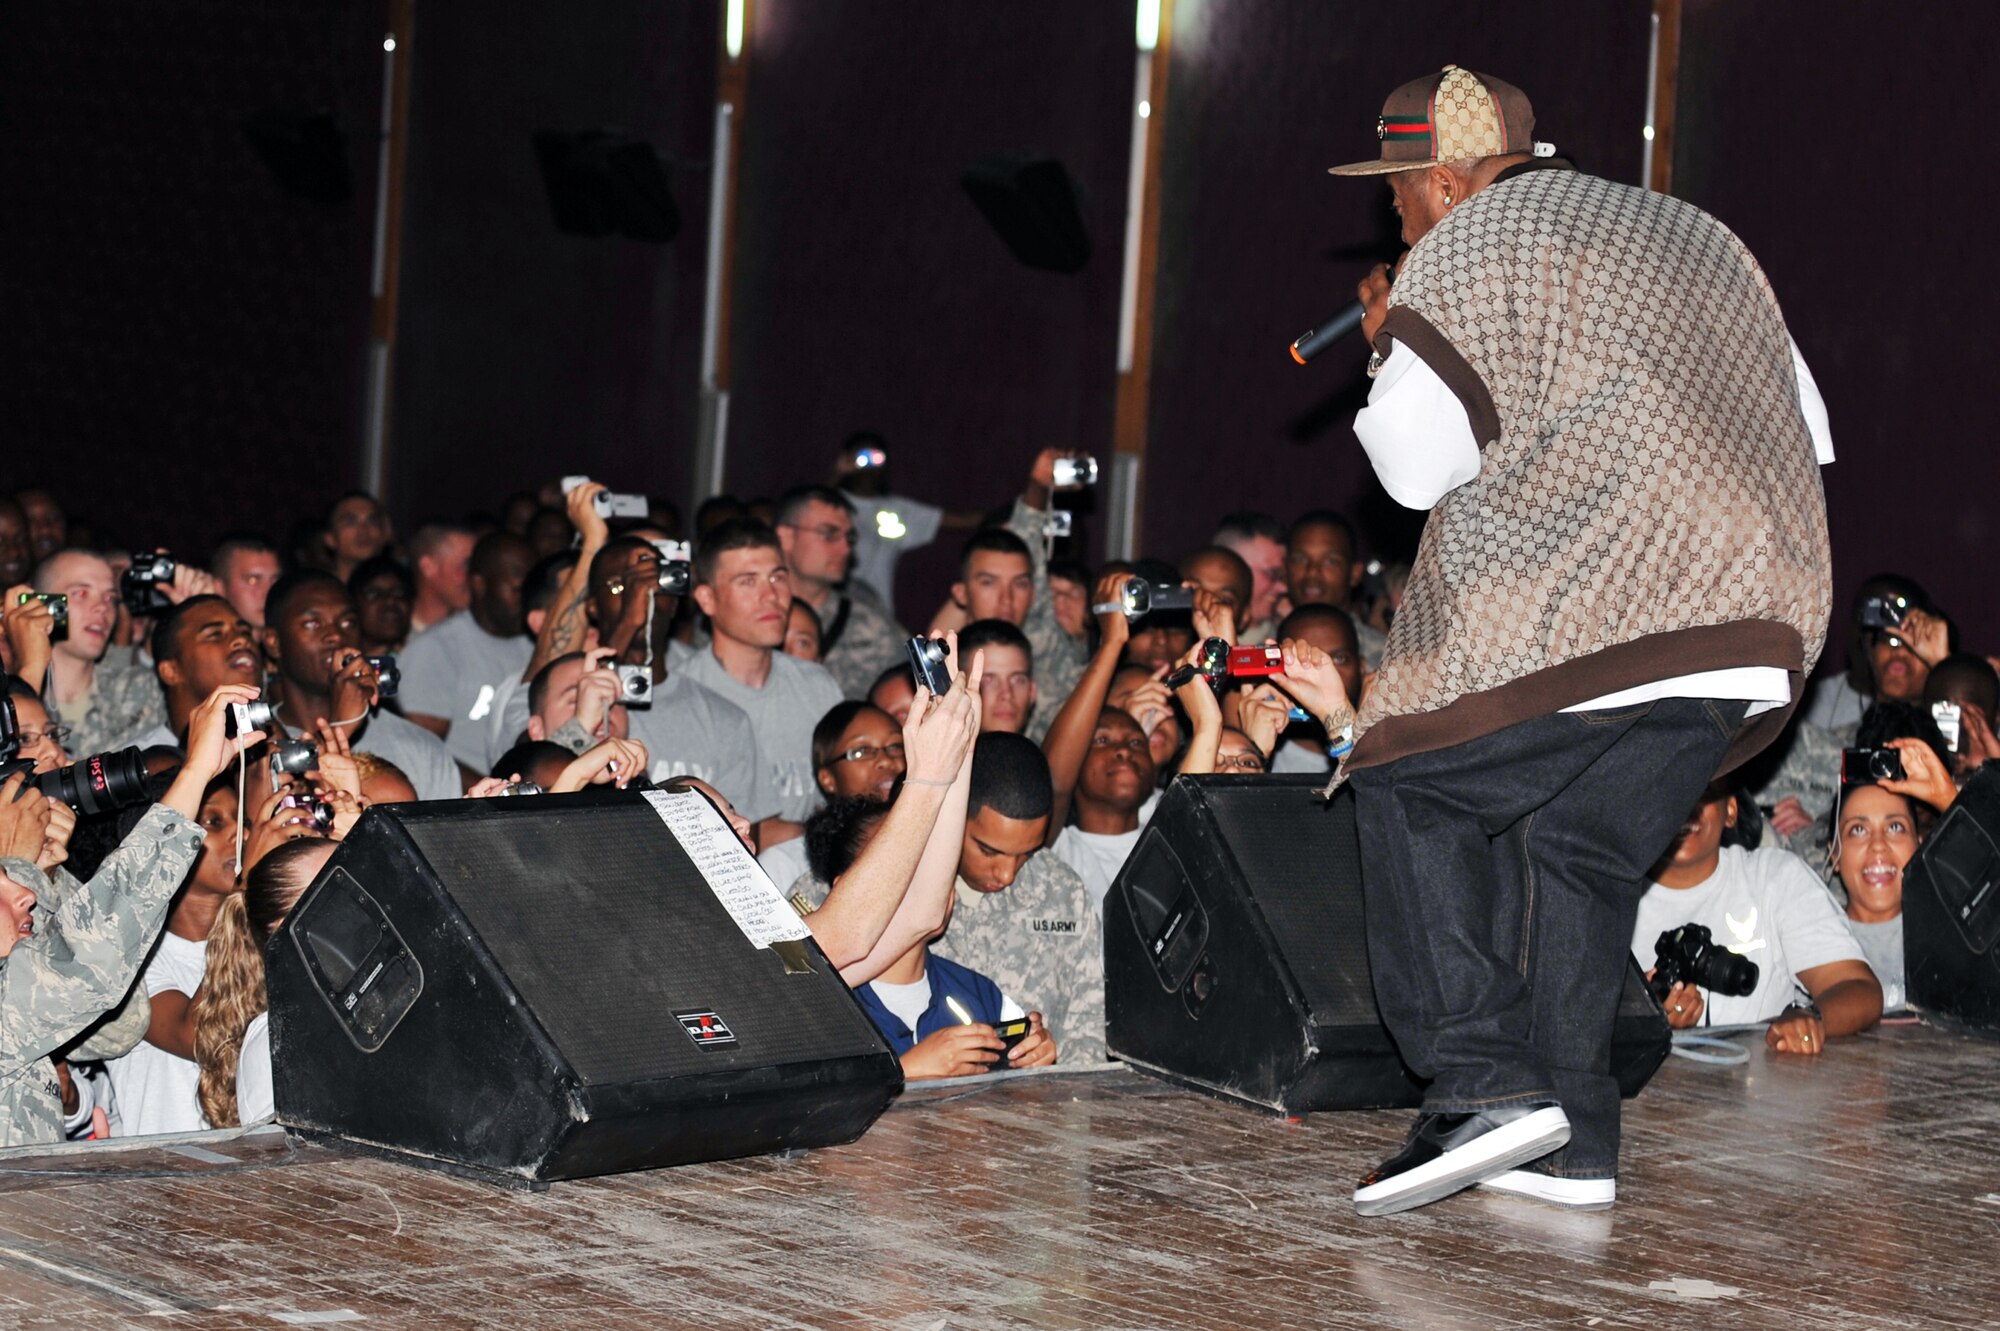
x=1620 y=590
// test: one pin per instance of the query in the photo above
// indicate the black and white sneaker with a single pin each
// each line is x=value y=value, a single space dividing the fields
x=1446 y=1153
x=1572 y=1194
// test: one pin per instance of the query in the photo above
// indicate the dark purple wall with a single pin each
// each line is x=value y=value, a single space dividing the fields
x=870 y=292
x=1261 y=243
x=180 y=336
x=1838 y=169
x=524 y=354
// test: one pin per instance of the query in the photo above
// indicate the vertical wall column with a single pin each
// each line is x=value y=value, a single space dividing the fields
x=1663 y=76
x=387 y=263
x=712 y=428
x=1153 y=37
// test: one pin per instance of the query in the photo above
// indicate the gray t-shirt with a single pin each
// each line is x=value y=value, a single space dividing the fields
x=420 y=755
x=454 y=669
x=1882 y=945
x=794 y=697
x=689 y=731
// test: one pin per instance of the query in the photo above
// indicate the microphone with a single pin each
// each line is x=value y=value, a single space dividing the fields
x=1315 y=340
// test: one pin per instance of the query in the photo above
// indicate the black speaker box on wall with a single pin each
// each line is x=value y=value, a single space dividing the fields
x=1236 y=963
x=546 y=988
x=1031 y=202
x=1951 y=912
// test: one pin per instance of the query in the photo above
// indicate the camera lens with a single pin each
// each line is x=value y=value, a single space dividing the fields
x=1724 y=972
x=99 y=783
x=1137 y=596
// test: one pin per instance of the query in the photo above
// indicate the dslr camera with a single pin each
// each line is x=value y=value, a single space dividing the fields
x=142 y=586
x=97 y=784
x=1688 y=955
x=609 y=505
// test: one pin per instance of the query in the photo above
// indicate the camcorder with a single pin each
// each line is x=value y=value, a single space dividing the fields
x=1689 y=955
x=58 y=604
x=1139 y=598
x=1220 y=663
x=1862 y=766
x=98 y=784
x=930 y=664
x=609 y=505
x=1075 y=473
x=142 y=587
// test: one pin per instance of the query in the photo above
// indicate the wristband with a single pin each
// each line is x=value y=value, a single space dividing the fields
x=919 y=781
x=1108 y=608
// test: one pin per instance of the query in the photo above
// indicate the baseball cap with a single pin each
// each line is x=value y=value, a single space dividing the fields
x=1448 y=117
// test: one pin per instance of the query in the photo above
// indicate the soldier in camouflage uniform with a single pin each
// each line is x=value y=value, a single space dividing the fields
x=858 y=638
x=68 y=950
x=111 y=698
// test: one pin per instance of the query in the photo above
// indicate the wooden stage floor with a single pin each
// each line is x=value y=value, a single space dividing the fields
x=1858 y=1191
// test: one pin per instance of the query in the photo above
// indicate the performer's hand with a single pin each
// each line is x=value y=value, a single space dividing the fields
x=1311 y=677
x=1797 y=1031
x=1374 y=296
x=1927 y=636
x=1683 y=1006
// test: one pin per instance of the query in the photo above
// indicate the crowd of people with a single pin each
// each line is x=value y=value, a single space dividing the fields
x=951 y=854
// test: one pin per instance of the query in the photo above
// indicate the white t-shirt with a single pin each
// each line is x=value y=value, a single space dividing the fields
x=454 y=669
x=885 y=530
x=1292 y=758
x=1765 y=905
x=909 y=1002
x=785 y=862
x=253 y=1072
x=156 y=1090
x=418 y=754
x=783 y=713
x=1419 y=441
x=1882 y=946
x=1098 y=856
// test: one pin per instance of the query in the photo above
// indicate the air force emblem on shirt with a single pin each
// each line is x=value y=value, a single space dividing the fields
x=1743 y=932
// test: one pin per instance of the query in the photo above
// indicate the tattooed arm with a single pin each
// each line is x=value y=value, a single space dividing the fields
x=565 y=628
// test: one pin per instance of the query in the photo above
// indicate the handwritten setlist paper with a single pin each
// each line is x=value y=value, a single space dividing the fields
x=738 y=881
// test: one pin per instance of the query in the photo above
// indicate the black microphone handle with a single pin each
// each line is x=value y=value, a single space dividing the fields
x=1315 y=340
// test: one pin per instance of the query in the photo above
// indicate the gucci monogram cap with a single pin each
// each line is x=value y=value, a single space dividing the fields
x=1448 y=117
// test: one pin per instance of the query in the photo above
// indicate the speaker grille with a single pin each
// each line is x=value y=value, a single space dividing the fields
x=573 y=905
x=1301 y=859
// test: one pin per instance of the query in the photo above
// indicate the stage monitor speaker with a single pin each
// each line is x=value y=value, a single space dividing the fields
x=547 y=988
x=605 y=181
x=306 y=150
x=1031 y=202
x=1236 y=964
x=1951 y=912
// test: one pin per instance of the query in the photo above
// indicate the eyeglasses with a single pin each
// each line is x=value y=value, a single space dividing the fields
x=1239 y=762
x=862 y=753
x=54 y=735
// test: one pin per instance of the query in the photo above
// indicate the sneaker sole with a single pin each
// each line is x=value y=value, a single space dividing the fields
x=1496 y=1152
x=1571 y=1194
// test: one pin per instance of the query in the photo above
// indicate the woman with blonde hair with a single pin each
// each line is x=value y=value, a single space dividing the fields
x=232 y=1043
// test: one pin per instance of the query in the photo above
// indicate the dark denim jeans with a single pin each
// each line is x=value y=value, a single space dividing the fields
x=1501 y=879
